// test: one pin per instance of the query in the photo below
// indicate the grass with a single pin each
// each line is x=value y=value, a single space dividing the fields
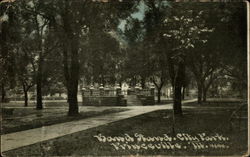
x=195 y=120
x=28 y=118
x=163 y=102
x=217 y=103
x=51 y=103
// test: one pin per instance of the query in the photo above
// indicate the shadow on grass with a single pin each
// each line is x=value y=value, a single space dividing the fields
x=35 y=119
x=194 y=121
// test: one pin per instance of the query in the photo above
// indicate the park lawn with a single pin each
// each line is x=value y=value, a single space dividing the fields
x=219 y=103
x=195 y=120
x=163 y=102
x=46 y=103
x=29 y=118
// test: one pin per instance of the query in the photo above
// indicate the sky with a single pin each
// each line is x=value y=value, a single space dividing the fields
x=139 y=14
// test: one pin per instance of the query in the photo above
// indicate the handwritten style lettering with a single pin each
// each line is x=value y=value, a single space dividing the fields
x=179 y=141
x=126 y=138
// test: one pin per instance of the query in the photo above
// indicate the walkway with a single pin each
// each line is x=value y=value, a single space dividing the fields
x=28 y=137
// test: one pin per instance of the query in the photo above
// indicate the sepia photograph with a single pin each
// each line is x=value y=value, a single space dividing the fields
x=124 y=78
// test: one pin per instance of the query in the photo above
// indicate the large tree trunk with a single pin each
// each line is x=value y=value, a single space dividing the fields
x=25 y=98
x=4 y=54
x=25 y=92
x=204 y=93
x=39 y=103
x=3 y=93
x=72 y=99
x=159 y=95
x=73 y=86
x=178 y=83
x=177 y=100
x=199 y=93
x=206 y=87
x=183 y=93
x=70 y=53
x=72 y=79
x=159 y=87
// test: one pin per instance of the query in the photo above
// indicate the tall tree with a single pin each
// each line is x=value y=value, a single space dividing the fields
x=103 y=57
x=233 y=45
x=37 y=40
x=75 y=20
x=8 y=38
x=25 y=73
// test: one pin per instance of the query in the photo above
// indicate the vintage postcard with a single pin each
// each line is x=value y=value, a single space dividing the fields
x=124 y=78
